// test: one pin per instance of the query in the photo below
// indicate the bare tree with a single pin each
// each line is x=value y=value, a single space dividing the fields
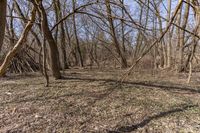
x=169 y=44
x=53 y=49
x=113 y=34
x=76 y=35
x=61 y=30
x=18 y=45
x=105 y=33
x=182 y=37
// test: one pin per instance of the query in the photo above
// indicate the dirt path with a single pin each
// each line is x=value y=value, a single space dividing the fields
x=93 y=101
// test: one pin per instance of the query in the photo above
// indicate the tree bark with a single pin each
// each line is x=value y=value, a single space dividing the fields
x=169 y=45
x=164 y=53
x=123 y=28
x=112 y=30
x=3 y=6
x=76 y=36
x=53 y=49
x=18 y=45
x=44 y=62
x=62 y=40
x=182 y=38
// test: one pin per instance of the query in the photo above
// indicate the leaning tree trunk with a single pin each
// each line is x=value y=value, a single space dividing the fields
x=18 y=45
x=53 y=49
x=3 y=5
x=139 y=36
x=112 y=30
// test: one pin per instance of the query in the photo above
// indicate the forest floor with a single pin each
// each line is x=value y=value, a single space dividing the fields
x=93 y=101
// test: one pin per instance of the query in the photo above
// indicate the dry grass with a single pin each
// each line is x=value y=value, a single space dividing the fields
x=93 y=101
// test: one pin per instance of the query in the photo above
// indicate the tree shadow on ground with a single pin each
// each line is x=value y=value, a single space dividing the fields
x=97 y=95
x=134 y=127
x=112 y=85
x=167 y=87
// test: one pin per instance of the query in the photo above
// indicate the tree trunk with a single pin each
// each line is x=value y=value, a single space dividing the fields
x=112 y=30
x=53 y=49
x=3 y=6
x=44 y=62
x=139 y=36
x=18 y=45
x=62 y=40
x=182 y=38
x=122 y=28
x=76 y=37
x=164 y=53
x=169 y=45
x=72 y=51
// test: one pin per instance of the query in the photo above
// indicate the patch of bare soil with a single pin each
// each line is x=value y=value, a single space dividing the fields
x=94 y=101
